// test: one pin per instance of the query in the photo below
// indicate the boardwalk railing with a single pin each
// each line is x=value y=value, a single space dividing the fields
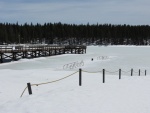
x=19 y=48
x=32 y=51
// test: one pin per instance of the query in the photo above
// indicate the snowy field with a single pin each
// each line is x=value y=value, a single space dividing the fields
x=130 y=94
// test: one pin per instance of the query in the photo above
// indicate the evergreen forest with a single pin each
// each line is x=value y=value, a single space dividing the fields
x=72 y=34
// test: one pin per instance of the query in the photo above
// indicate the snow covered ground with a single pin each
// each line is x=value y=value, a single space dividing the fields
x=128 y=95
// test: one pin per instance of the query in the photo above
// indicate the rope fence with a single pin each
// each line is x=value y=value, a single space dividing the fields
x=112 y=71
x=126 y=71
x=91 y=72
x=103 y=71
x=135 y=71
x=29 y=85
x=118 y=71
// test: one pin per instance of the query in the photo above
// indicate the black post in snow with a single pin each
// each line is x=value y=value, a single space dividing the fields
x=29 y=88
x=80 y=77
x=103 y=75
x=131 y=72
x=119 y=73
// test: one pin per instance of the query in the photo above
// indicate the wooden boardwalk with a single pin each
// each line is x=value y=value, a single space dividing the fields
x=32 y=51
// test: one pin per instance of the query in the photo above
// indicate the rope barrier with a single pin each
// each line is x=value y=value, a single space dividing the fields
x=112 y=72
x=91 y=72
x=126 y=71
x=23 y=92
x=135 y=72
x=55 y=80
x=49 y=82
x=80 y=75
x=142 y=71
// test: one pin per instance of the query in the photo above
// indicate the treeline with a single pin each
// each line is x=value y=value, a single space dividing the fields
x=58 y=33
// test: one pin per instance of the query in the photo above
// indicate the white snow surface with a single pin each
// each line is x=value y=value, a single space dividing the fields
x=130 y=94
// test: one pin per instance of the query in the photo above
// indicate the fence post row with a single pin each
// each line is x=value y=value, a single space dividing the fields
x=119 y=73
x=29 y=88
x=103 y=75
x=80 y=77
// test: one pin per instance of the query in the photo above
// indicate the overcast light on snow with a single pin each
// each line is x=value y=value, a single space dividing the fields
x=130 y=94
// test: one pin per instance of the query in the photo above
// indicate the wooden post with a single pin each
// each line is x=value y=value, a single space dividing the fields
x=23 y=55
x=39 y=53
x=75 y=51
x=14 y=56
x=55 y=51
x=131 y=72
x=103 y=75
x=1 y=60
x=78 y=51
x=145 y=72
x=80 y=77
x=32 y=53
x=63 y=51
x=119 y=73
x=45 y=52
x=29 y=88
x=139 y=72
x=59 y=51
x=35 y=53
